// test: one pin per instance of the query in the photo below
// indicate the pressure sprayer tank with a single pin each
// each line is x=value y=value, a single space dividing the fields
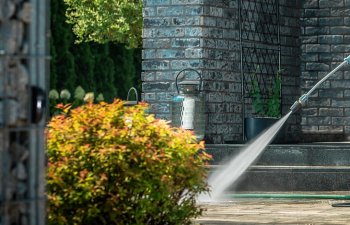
x=188 y=107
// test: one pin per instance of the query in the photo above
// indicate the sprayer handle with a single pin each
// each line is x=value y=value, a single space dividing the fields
x=347 y=59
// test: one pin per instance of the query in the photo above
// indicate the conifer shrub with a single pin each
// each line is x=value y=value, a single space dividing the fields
x=110 y=164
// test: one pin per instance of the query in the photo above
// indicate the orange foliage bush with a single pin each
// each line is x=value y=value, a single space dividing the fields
x=110 y=164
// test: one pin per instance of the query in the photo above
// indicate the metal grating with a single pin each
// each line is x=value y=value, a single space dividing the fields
x=24 y=64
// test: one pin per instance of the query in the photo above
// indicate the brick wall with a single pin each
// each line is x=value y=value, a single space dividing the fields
x=325 y=42
x=290 y=64
x=205 y=35
x=222 y=71
x=197 y=34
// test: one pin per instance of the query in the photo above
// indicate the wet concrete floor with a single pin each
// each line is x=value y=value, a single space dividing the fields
x=257 y=211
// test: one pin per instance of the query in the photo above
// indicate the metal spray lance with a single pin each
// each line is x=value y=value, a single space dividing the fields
x=301 y=101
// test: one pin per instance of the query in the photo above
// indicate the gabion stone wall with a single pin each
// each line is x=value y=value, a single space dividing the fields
x=205 y=35
x=325 y=42
x=23 y=34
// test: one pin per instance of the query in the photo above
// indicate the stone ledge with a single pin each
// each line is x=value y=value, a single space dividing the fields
x=301 y=167
x=316 y=154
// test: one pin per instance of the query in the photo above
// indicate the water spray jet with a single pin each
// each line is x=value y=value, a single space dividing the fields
x=221 y=179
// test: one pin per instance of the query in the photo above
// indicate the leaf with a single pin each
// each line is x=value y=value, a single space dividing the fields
x=271 y=106
x=104 y=21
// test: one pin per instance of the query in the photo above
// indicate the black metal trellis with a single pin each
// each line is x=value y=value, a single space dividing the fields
x=261 y=63
x=260 y=47
x=260 y=21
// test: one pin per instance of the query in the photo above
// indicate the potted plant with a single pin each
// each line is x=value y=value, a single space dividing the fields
x=266 y=106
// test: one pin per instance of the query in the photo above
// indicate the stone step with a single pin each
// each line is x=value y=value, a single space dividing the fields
x=293 y=178
x=320 y=154
x=308 y=167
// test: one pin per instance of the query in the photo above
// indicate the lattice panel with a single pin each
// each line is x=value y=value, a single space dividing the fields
x=261 y=63
x=260 y=41
x=259 y=21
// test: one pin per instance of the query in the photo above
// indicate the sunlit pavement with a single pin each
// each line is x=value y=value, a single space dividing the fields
x=276 y=211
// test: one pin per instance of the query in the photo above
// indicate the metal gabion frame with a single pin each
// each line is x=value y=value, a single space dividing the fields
x=23 y=65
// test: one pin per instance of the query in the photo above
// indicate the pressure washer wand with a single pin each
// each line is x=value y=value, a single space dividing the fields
x=301 y=101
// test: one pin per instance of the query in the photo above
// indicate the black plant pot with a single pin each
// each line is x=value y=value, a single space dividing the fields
x=253 y=126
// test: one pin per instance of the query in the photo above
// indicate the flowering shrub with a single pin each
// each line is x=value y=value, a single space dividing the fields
x=110 y=164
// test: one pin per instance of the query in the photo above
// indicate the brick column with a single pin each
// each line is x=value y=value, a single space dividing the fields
x=197 y=34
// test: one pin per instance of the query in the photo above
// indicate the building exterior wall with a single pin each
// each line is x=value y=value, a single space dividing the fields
x=201 y=35
x=325 y=42
x=207 y=36
x=290 y=64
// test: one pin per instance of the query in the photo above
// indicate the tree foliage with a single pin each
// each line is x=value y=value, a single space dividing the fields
x=103 y=21
x=110 y=68
x=63 y=71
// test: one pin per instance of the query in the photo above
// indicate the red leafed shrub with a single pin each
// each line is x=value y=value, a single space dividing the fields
x=110 y=164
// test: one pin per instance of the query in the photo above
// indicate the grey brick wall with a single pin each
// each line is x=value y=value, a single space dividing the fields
x=290 y=64
x=325 y=42
x=204 y=35
x=222 y=71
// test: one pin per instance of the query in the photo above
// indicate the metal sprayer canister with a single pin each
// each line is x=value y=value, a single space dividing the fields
x=188 y=106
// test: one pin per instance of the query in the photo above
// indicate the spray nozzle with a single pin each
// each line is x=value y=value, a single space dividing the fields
x=299 y=103
x=347 y=59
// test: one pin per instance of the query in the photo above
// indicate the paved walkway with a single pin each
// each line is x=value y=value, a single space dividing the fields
x=275 y=211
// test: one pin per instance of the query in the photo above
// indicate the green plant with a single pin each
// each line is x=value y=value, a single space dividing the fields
x=109 y=164
x=270 y=105
x=258 y=104
x=65 y=98
x=274 y=99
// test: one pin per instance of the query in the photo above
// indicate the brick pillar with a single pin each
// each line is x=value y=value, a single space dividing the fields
x=197 y=34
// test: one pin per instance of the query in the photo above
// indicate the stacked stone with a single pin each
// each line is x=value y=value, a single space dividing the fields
x=325 y=43
x=15 y=17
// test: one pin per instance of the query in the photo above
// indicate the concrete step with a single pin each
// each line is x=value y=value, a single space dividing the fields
x=311 y=167
x=293 y=178
x=335 y=154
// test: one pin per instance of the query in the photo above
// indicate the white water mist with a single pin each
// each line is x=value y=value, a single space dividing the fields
x=221 y=179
